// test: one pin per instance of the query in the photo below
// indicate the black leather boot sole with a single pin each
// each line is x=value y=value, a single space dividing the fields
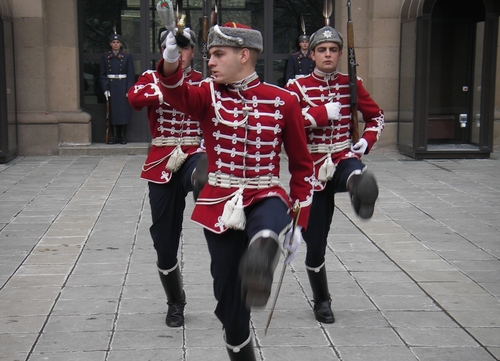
x=364 y=194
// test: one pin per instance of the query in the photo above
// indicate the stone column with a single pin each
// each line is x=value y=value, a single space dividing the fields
x=376 y=40
x=47 y=75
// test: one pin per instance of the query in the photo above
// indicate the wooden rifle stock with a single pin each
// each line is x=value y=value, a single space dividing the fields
x=352 y=76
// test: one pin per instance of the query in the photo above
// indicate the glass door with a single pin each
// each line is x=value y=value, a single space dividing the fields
x=477 y=82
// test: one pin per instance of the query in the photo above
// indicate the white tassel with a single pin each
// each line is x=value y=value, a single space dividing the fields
x=326 y=170
x=176 y=159
x=234 y=213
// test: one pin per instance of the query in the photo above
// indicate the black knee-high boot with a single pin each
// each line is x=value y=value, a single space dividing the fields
x=114 y=139
x=243 y=352
x=257 y=268
x=322 y=301
x=176 y=298
x=123 y=132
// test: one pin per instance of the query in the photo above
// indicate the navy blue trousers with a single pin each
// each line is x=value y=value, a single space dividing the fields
x=322 y=208
x=226 y=251
x=167 y=203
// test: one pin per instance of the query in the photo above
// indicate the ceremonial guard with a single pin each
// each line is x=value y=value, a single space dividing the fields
x=245 y=211
x=325 y=100
x=117 y=75
x=176 y=146
x=300 y=62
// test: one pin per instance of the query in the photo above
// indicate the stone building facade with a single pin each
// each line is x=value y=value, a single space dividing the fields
x=48 y=72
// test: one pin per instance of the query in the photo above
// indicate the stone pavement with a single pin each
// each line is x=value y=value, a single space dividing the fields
x=419 y=281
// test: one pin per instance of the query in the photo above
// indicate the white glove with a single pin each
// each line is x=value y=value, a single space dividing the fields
x=333 y=110
x=107 y=94
x=294 y=247
x=171 y=53
x=360 y=146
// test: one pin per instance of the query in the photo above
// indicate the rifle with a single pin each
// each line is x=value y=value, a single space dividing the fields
x=108 y=125
x=352 y=75
x=207 y=16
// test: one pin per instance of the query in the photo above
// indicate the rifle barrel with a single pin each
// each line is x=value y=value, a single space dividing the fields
x=352 y=75
x=207 y=16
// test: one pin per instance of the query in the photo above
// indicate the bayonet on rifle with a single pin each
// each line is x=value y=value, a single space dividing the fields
x=352 y=75
x=327 y=11
x=207 y=16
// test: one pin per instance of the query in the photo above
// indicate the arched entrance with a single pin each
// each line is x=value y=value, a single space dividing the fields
x=447 y=78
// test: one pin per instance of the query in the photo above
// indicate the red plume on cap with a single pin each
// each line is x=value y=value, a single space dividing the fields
x=232 y=24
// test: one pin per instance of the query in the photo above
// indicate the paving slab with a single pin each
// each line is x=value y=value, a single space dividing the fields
x=418 y=282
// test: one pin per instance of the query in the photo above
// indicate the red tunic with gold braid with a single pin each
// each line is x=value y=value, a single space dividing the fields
x=326 y=137
x=169 y=127
x=245 y=126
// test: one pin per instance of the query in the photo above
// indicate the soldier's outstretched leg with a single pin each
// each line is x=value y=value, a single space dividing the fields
x=200 y=175
x=243 y=352
x=257 y=268
x=176 y=298
x=363 y=190
x=322 y=301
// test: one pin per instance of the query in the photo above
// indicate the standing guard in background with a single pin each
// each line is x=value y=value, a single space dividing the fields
x=176 y=146
x=117 y=75
x=245 y=211
x=300 y=62
x=326 y=105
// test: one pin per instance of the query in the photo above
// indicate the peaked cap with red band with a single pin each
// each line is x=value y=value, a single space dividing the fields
x=235 y=35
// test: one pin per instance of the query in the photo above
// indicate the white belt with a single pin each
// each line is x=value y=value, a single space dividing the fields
x=329 y=148
x=117 y=76
x=230 y=181
x=320 y=148
x=173 y=141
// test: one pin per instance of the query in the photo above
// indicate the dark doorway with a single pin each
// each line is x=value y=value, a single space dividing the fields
x=8 y=111
x=447 y=78
x=453 y=56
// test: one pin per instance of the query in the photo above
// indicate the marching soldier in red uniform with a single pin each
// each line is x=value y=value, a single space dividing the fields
x=325 y=100
x=244 y=209
x=175 y=150
x=117 y=75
